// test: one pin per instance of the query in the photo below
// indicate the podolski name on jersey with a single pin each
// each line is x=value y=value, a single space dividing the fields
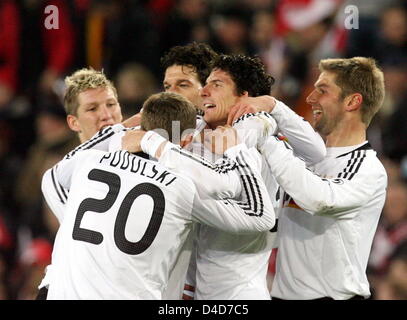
x=125 y=161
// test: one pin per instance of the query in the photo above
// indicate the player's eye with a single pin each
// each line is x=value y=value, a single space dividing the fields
x=184 y=85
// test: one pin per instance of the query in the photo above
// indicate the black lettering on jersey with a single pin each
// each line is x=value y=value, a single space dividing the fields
x=155 y=171
x=162 y=176
x=154 y=225
x=138 y=165
x=171 y=181
x=126 y=161
x=116 y=157
x=100 y=206
x=105 y=157
x=142 y=170
x=96 y=205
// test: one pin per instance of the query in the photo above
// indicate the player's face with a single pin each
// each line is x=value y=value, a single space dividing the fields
x=184 y=81
x=327 y=105
x=98 y=108
x=219 y=95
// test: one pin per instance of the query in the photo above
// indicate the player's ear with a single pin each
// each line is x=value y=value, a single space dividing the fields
x=73 y=123
x=354 y=102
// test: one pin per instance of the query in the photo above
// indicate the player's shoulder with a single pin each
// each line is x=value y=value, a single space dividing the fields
x=363 y=161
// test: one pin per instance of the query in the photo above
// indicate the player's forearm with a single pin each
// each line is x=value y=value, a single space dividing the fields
x=306 y=143
x=312 y=193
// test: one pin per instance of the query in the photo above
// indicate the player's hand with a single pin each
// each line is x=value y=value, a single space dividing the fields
x=247 y=105
x=221 y=139
x=132 y=139
x=133 y=121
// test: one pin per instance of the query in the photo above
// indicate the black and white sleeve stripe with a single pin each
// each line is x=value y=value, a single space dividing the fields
x=60 y=191
x=101 y=136
x=250 y=115
x=353 y=165
x=224 y=166
x=253 y=204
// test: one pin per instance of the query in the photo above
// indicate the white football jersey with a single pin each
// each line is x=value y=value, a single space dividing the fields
x=127 y=218
x=327 y=222
x=230 y=266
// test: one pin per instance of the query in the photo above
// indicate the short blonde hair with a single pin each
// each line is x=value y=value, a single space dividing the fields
x=81 y=81
x=358 y=75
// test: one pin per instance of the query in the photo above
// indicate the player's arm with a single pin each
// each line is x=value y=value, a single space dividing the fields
x=214 y=179
x=307 y=144
x=54 y=194
x=253 y=213
x=335 y=196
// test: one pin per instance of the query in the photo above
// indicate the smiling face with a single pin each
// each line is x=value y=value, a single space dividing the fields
x=97 y=108
x=184 y=81
x=327 y=105
x=219 y=95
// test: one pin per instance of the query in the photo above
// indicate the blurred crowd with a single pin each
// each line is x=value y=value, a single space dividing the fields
x=126 y=38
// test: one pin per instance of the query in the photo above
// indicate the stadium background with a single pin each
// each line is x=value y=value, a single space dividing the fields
x=126 y=38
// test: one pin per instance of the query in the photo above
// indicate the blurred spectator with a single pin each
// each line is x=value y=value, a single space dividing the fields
x=54 y=140
x=363 y=41
x=7 y=250
x=271 y=48
x=394 y=284
x=9 y=50
x=134 y=84
x=392 y=121
x=230 y=27
x=392 y=229
x=320 y=35
x=46 y=54
x=32 y=262
x=186 y=22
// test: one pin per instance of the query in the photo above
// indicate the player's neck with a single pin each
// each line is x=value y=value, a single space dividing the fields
x=349 y=134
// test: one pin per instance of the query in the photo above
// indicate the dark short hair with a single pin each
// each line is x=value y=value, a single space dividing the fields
x=198 y=56
x=161 y=109
x=248 y=73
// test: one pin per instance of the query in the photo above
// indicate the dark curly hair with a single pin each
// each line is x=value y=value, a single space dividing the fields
x=248 y=73
x=196 y=55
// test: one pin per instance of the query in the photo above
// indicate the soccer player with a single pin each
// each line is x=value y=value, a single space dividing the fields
x=127 y=216
x=231 y=266
x=330 y=215
x=91 y=104
x=186 y=69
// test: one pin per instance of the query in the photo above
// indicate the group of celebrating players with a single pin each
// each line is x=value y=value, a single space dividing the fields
x=188 y=198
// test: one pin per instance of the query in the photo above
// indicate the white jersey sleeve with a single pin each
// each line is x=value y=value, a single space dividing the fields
x=307 y=144
x=217 y=179
x=55 y=195
x=334 y=196
x=254 y=126
x=227 y=179
x=100 y=141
